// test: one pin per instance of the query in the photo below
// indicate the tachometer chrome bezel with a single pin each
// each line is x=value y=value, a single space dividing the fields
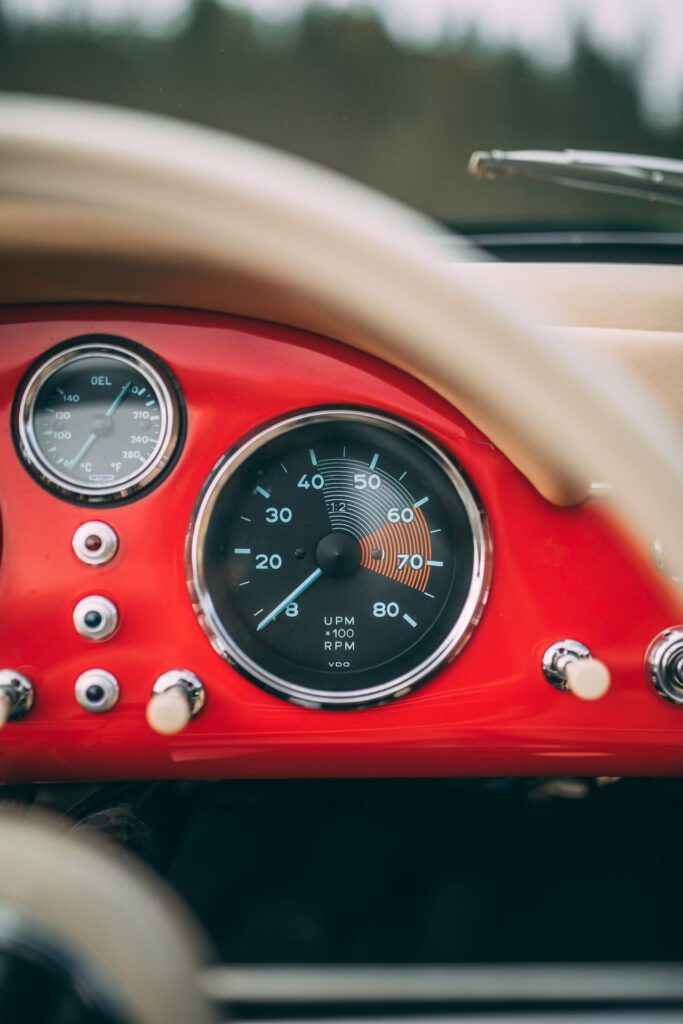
x=225 y=644
x=170 y=408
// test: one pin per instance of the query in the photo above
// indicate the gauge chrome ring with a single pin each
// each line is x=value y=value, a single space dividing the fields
x=128 y=486
x=459 y=634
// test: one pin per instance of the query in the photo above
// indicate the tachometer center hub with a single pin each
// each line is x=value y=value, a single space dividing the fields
x=338 y=554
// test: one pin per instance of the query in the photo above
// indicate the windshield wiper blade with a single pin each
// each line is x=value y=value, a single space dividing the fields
x=653 y=178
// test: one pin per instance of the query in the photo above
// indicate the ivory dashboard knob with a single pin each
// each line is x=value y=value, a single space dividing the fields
x=5 y=708
x=568 y=665
x=168 y=713
x=16 y=696
x=588 y=678
x=177 y=696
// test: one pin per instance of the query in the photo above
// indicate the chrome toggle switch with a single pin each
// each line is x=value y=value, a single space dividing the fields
x=569 y=665
x=177 y=696
x=664 y=664
x=16 y=696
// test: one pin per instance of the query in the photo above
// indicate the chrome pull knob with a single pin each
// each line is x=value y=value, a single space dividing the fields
x=16 y=696
x=664 y=664
x=568 y=665
x=177 y=696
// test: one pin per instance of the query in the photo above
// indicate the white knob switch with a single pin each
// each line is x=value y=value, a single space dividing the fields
x=5 y=708
x=177 y=696
x=568 y=665
x=168 y=713
x=587 y=678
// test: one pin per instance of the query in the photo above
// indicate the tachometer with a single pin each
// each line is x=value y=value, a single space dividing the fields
x=97 y=421
x=338 y=557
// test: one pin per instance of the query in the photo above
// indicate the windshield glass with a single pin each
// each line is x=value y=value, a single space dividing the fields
x=392 y=92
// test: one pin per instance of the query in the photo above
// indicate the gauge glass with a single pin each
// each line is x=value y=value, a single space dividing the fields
x=98 y=421
x=338 y=557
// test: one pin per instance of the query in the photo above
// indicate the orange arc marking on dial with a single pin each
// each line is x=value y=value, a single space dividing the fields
x=393 y=539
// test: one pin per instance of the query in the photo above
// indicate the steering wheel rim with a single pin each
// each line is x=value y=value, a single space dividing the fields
x=73 y=900
x=373 y=263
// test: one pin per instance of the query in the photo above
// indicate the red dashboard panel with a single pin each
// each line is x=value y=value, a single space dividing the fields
x=557 y=573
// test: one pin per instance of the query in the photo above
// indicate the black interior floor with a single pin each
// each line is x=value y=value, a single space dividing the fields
x=392 y=871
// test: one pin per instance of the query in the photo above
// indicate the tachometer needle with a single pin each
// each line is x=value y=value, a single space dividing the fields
x=290 y=597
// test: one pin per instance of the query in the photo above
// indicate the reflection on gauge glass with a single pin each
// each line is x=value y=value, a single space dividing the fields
x=338 y=557
x=98 y=421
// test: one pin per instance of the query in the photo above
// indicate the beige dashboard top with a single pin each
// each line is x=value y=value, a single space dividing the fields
x=629 y=297
x=54 y=253
x=633 y=313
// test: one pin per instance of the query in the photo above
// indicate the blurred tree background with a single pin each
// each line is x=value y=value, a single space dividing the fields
x=337 y=87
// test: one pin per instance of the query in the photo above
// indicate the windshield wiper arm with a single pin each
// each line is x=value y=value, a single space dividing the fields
x=652 y=178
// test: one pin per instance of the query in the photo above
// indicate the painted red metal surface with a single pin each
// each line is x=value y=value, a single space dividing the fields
x=557 y=573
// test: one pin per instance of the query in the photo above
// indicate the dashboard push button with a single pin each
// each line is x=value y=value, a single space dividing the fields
x=95 y=617
x=95 y=543
x=97 y=690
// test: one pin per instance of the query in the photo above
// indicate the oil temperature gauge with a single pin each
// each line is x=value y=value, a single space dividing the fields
x=97 y=421
x=338 y=558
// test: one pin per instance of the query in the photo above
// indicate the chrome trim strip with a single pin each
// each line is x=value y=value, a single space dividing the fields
x=617 y=984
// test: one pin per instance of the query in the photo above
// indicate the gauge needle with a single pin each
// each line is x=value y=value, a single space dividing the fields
x=86 y=447
x=119 y=398
x=290 y=597
x=93 y=437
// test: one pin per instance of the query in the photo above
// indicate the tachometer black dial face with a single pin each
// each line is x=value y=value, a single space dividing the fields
x=338 y=557
x=98 y=421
